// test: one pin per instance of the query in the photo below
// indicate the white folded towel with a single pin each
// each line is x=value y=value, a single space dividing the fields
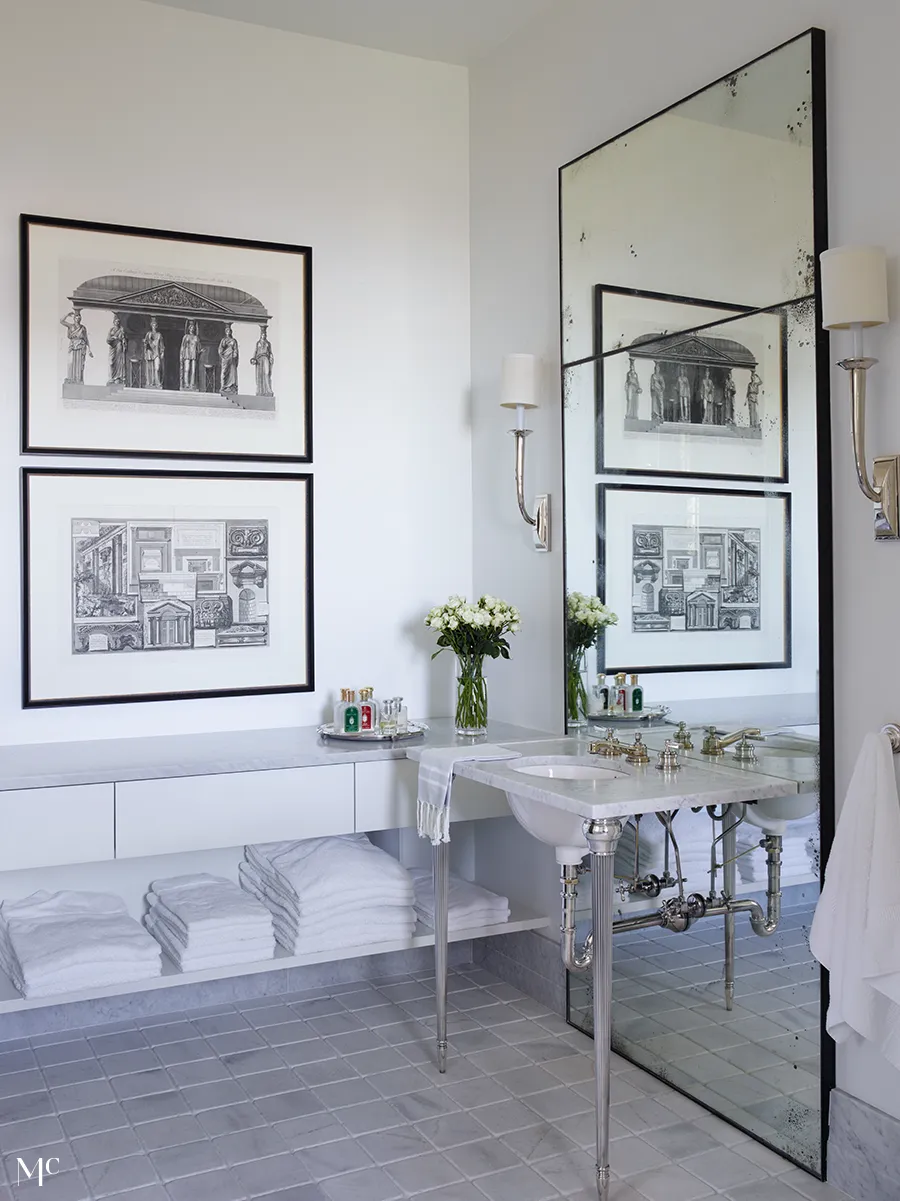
x=248 y=951
x=316 y=872
x=202 y=905
x=436 y=766
x=469 y=904
x=361 y=932
x=64 y=941
x=856 y=929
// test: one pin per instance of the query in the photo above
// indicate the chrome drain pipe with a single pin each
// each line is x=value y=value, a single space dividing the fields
x=575 y=962
x=763 y=922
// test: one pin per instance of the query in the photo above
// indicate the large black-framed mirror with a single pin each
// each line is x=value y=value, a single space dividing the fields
x=698 y=508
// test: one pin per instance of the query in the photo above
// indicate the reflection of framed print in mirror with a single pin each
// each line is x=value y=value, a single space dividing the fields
x=147 y=586
x=690 y=387
x=147 y=342
x=700 y=578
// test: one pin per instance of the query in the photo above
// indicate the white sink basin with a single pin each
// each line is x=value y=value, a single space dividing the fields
x=773 y=814
x=558 y=829
x=565 y=769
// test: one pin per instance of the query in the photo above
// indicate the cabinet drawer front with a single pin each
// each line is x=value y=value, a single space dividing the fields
x=386 y=796
x=44 y=827
x=192 y=813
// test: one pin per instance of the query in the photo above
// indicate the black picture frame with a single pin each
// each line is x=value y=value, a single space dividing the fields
x=208 y=374
x=604 y=663
x=303 y=480
x=732 y=314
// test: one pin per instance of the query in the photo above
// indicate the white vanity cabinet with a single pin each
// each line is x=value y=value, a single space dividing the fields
x=49 y=827
x=386 y=796
x=193 y=813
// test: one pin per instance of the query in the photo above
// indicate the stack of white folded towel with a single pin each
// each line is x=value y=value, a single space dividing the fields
x=469 y=904
x=203 y=921
x=693 y=833
x=329 y=893
x=799 y=851
x=67 y=941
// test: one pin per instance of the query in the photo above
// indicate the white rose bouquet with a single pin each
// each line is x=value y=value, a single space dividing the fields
x=586 y=616
x=473 y=631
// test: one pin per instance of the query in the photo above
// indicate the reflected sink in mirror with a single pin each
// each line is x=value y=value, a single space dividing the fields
x=558 y=829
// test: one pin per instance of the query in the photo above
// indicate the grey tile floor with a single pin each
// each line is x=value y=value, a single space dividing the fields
x=332 y=1095
x=757 y=1064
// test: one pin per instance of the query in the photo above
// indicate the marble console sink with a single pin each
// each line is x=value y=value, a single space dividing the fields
x=552 y=805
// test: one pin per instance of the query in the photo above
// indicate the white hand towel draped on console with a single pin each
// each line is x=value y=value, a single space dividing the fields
x=436 y=778
x=856 y=929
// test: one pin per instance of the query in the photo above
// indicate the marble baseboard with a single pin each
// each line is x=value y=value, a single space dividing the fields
x=863 y=1149
x=75 y=1015
x=528 y=961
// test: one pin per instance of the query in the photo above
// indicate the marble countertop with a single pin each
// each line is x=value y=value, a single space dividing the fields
x=101 y=761
x=634 y=790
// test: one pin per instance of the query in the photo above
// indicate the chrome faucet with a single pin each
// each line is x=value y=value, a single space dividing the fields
x=714 y=743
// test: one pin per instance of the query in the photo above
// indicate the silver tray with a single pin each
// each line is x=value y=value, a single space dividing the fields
x=610 y=719
x=416 y=730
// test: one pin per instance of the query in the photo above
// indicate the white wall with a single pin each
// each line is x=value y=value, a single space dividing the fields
x=121 y=111
x=564 y=85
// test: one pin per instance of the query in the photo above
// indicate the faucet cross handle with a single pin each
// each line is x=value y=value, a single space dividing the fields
x=683 y=737
x=668 y=756
x=638 y=753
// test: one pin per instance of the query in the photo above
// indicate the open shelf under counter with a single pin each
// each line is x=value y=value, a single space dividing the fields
x=519 y=919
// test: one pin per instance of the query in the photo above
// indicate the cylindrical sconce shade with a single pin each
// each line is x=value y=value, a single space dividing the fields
x=519 y=382
x=854 y=287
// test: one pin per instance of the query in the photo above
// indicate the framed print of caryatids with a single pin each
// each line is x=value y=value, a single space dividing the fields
x=690 y=387
x=700 y=578
x=147 y=342
x=148 y=586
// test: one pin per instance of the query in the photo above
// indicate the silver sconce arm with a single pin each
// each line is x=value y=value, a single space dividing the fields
x=541 y=519
x=884 y=489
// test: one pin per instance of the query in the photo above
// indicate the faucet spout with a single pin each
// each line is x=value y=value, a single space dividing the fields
x=714 y=743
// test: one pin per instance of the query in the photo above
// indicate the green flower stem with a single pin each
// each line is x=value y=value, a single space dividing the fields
x=471 y=694
x=576 y=693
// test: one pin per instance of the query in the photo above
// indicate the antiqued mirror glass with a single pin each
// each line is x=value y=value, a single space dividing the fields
x=697 y=508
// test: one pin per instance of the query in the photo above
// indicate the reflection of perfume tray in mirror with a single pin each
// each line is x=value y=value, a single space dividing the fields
x=604 y=718
x=415 y=730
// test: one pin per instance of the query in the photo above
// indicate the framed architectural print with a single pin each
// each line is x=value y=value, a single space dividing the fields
x=165 y=585
x=700 y=578
x=690 y=387
x=146 y=342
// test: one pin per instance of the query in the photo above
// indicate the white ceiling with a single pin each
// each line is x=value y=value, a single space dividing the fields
x=451 y=31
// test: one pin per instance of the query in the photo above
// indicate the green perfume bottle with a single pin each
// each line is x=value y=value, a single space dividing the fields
x=351 y=718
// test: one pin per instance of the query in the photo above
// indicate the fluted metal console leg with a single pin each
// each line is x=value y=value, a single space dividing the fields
x=729 y=880
x=441 y=868
x=602 y=837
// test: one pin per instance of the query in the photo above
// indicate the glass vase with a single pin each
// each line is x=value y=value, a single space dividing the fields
x=576 y=690
x=471 y=696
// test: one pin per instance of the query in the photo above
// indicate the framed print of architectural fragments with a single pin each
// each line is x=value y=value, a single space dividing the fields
x=700 y=579
x=690 y=387
x=149 y=586
x=145 y=342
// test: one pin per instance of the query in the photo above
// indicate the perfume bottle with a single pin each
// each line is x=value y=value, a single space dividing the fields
x=401 y=715
x=637 y=696
x=387 y=717
x=601 y=693
x=350 y=717
x=368 y=711
x=619 y=703
x=339 y=712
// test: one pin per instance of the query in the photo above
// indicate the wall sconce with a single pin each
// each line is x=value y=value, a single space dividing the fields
x=519 y=391
x=854 y=297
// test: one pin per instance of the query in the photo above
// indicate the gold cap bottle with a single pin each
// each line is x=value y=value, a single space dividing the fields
x=344 y=692
x=351 y=695
x=634 y=679
x=366 y=694
x=620 y=677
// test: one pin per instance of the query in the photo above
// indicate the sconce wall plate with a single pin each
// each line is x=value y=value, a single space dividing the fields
x=886 y=473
